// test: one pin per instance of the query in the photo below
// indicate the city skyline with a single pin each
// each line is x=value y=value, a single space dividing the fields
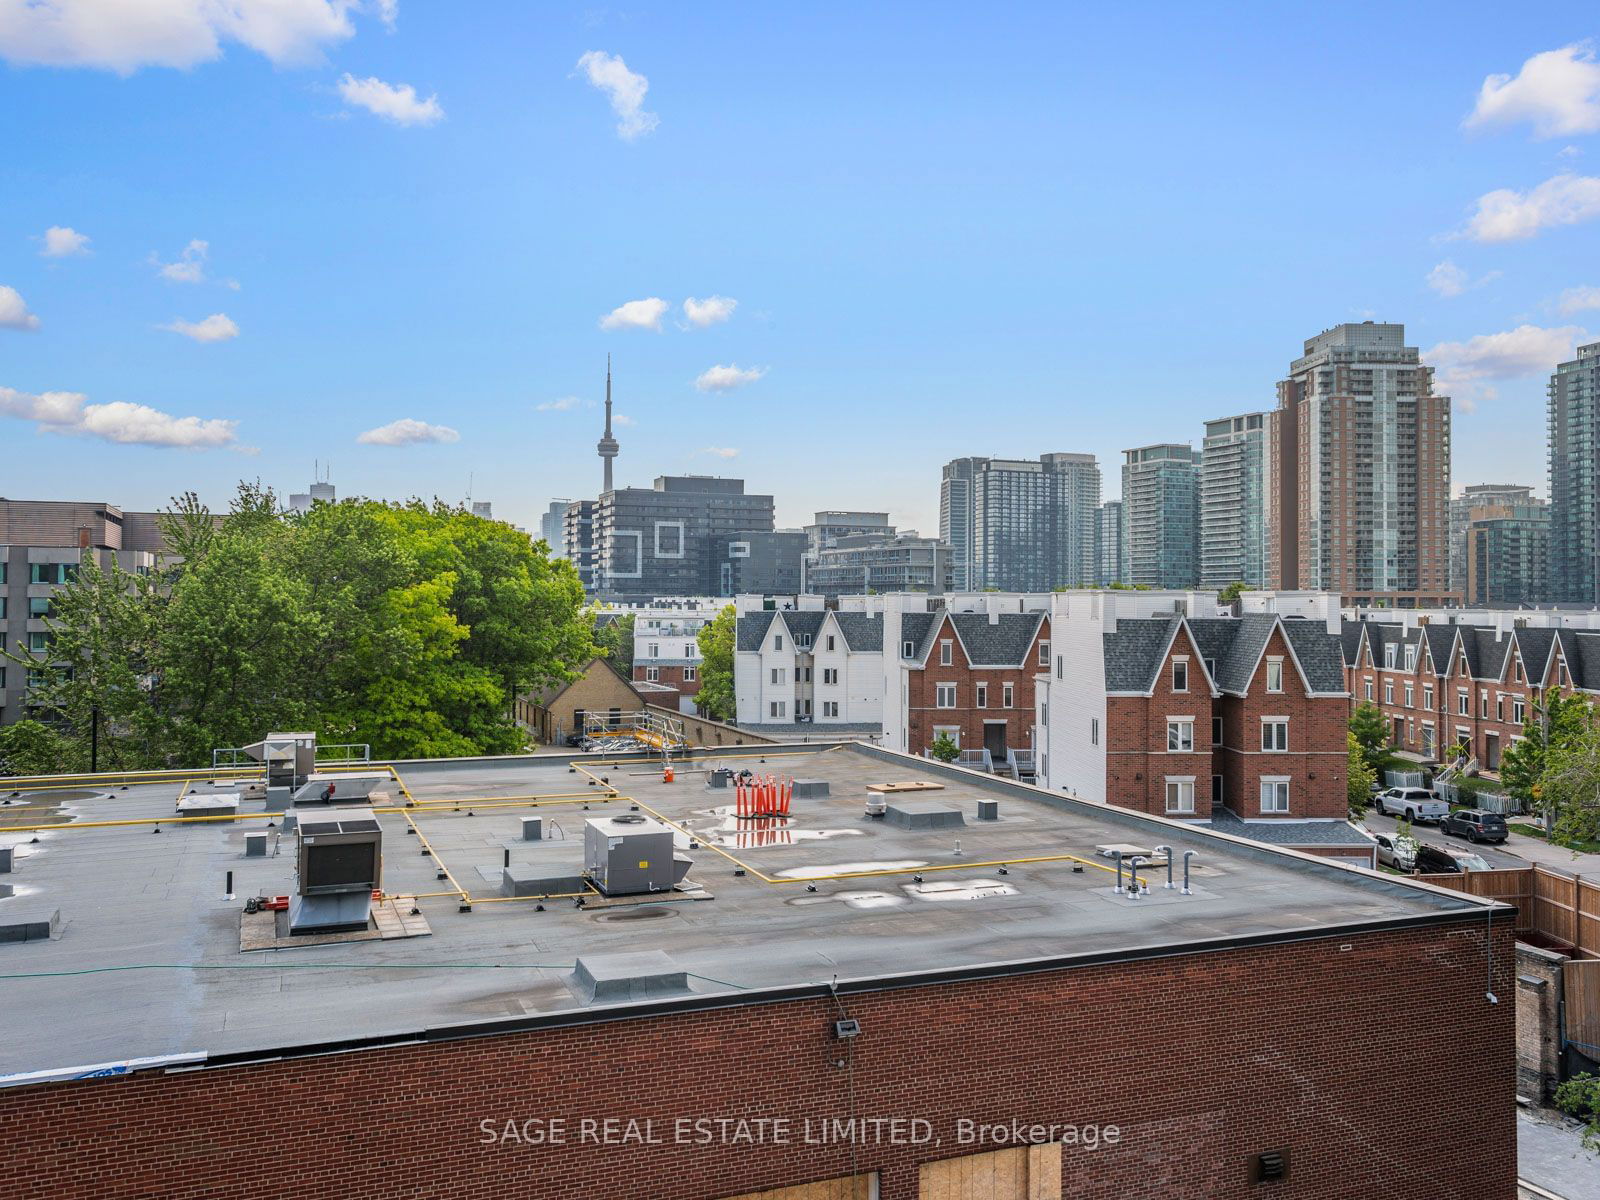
x=442 y=340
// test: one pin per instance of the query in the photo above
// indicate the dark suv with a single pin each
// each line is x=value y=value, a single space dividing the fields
x=1439 y=860
x=1475 y=825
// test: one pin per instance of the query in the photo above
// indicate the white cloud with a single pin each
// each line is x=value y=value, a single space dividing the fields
x=394 y=102
x=1506 y=215
x=14 y=312
x=1578 y=299
x=1463 y=369
x=625 y=88
x=1557 y=92
x=563 y=404
x=724 y=379
x=124 y=35
x=119 y=421
x=218 y=327
x=713 y=310
x=1450 y=280
x=721 y=451
x=622 y=420
x=188 y=267
x=406 y=432
x=60 y=241
x=636 y=314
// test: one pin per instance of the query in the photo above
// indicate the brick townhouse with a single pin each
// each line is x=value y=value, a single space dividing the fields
x=1236 y=721
x=1439 y=684
x=971 y=675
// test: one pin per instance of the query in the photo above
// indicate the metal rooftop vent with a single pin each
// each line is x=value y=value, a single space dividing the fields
x=338 y=865
x=631 y=855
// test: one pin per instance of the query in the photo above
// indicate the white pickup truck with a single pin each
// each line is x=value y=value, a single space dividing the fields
x=1414 y=804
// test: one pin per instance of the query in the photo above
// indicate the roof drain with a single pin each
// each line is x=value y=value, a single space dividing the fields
x=1187 y=855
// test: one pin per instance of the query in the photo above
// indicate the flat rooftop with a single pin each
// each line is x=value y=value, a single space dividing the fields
x=147 y=958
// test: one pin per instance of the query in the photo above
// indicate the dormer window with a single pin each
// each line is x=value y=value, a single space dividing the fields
x=908 y=649
x=1388 y=657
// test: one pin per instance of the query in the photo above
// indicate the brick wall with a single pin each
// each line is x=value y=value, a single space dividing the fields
x=1137 y=761
x=670 y=676
x=923 y=715
x=1277 y=1060
x=1538 y=1005
x=1318 y=756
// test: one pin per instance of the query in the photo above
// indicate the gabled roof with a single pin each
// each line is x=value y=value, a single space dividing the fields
x=1136 y=649
x=1441 y=643
x=548 y=695
x=917 y=628
x=1007 y=642
x=861 y=631
x=1534 y=646
x=1350 y=635
x=751 y=630
x=1317 y=652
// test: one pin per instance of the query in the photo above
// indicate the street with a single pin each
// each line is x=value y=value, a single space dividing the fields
x=1517 y=850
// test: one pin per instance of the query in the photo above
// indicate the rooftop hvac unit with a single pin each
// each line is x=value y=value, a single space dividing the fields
x=338 y=865
x=631 y=855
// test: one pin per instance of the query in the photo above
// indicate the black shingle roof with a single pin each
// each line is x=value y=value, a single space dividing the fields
x=1534 y=646
x=1585 y=668
x=1350 y=641
x=917 y=628
x=1318 y=653
x=1006 y=643
x=751 y=629
x=862 y=631
x=1291 y=833
x=1441 y=641
x=1134 y=652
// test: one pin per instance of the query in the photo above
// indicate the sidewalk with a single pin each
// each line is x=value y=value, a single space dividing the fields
x=1537 y=850
x=1550 y=1154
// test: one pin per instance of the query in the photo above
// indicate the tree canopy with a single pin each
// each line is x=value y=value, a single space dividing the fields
x=405 y=626
x=715 y=697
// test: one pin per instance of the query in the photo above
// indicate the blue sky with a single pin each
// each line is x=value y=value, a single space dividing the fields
x=948 y=230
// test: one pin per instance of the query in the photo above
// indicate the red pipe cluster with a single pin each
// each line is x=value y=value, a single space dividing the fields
x=760 y=797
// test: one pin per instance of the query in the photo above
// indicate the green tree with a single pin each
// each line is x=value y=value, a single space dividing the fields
x=1360 y=776
x=615 y=640
x=1370 y=729
x=1556 y=727
x=944 y=748
x=1231 y=593
x=1580 y=1097
x=716 y=639
x=31 y=747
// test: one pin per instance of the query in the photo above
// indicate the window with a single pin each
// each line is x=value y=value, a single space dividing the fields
x=830 y=641
x=1411 y=658
x=1274 y=674
x=1274 y=794
x=1059 y=660
x=690 y=674
x=830 y=708
x=778 y=708
x=1180 y=795
x=951 y=731
x=1274 y=733
x=1005 y=695
x=38 y=642
x=1518 y=710
x=1211 y=667
x=690 y=649
x=944 y=695
x=908 y=649
x=1411 y=696
x=2 y=608
x=802 y=675
x=1180 y=735
x=1427 y=697
x=1500 y=707
x=1369 y=689
x=777 y=642
x=778 y=674
x=38 y=607
x=1516 y=670
x=653 y=650
x=1464 y=702
x=652 y=674
x=1388 y=692
x=1094 y=731
x=1388 y=657
x=980 y=696
x=946 y=653
x=1483 y=705
x=830 y=674
x=805 y=641
x=1216 y=731
x=1180 y=677
x=1044 y=655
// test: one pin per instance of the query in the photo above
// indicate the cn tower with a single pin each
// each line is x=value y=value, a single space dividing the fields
x=608 y=447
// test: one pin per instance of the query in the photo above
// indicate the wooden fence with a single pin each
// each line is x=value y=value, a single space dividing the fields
x=1581 y=985
x=1559 y=908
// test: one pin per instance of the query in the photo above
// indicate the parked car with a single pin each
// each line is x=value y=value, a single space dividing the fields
x=1414 y=804
x=1475 y=825
x=1442 y=860
x=1396 y=850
